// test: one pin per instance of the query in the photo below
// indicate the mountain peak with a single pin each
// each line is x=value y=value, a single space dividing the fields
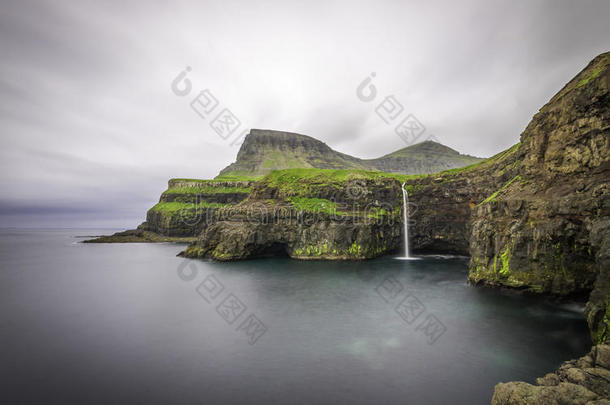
x=264 y=150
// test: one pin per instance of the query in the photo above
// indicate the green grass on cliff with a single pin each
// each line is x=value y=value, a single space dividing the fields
x=492 y=197
x=173 y=207
x=495 y=158
x=237 y=176
x=277 y=160
x=192 y=180
x=596 y=72
x=315 y=205
x=296 y=180
x=234 y=176
x=207 y=190
x=592 y=76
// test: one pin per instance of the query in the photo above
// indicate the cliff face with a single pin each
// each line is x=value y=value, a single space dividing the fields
x=536 y=233
x=548 y=230
x=264 y=150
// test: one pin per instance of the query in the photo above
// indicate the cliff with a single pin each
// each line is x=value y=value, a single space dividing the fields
x=264 y=151
x=547 y=231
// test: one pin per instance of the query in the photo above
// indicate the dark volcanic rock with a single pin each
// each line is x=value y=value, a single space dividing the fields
x=582 y=381
x=139 y=236
x=547 y=231
x=535 y=233
x=258 y=230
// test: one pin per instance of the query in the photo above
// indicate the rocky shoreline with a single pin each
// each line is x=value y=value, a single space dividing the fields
x=139 y=236
x=582 y=381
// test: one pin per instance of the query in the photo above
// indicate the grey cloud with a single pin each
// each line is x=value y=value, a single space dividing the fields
x=87 y=118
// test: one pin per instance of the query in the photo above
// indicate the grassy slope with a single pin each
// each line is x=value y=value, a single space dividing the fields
x=427 y=154
x=175 y=207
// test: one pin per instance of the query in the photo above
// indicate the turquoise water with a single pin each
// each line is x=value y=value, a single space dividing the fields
x=134 y=323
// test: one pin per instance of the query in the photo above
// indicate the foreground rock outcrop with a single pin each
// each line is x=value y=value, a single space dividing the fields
x=582 y=381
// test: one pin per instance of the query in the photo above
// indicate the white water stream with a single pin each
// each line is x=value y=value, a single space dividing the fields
x=405 y=202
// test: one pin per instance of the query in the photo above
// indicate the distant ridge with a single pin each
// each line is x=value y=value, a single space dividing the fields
x=265 y=150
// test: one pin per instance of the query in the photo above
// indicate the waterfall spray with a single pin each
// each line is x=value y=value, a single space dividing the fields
x=405 y=202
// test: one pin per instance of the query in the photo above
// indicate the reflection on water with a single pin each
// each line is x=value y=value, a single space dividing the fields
x=103 y=323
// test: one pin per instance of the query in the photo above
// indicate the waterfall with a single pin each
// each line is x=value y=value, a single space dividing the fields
x=405 y=202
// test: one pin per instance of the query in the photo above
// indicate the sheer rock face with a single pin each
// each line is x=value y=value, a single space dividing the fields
x=265 y=150
x=277 y=231
x=552 y=234
x=547 y=231
x=582 y=381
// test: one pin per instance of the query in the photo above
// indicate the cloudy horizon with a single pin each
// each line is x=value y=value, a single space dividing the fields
x=92 y=130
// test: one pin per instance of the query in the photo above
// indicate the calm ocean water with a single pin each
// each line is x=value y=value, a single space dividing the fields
x=89 y=323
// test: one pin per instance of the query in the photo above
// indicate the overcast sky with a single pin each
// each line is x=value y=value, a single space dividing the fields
x=91 y=130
